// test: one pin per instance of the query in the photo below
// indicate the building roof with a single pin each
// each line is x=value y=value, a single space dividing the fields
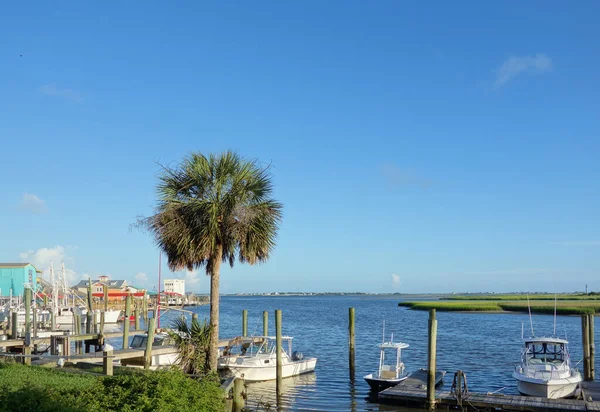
x=18 y=265
x=112 y=283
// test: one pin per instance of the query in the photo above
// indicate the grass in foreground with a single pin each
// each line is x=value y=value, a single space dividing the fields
x=574 y=307
x=31 y=388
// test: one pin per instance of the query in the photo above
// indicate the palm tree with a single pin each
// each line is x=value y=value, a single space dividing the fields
x=193 y=341
x=215 y=209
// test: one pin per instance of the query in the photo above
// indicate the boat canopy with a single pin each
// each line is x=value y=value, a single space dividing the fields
x=556 y=341
x=393 y=345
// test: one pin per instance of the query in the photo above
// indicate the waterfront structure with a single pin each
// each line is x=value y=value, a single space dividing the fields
x=15 y=276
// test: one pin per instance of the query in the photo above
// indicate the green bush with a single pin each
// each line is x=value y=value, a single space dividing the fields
x=39 y=389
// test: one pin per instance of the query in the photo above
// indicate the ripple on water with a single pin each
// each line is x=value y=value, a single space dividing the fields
x=485 y=346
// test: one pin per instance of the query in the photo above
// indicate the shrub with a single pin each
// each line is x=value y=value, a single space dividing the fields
x=39 y=389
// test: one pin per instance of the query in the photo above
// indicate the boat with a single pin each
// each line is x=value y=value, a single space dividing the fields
x=545 y=369
x=161 y=339
x=388 y=375
x=256 y=359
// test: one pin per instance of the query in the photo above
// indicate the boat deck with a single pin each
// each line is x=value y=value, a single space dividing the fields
x=413 y=391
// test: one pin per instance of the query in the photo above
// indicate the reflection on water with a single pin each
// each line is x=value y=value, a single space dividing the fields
x=486 y=346
x=293 y=391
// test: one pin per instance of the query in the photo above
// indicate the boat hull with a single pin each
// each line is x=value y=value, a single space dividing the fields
x=378 y=384
x=556 y=389
x=253 y=373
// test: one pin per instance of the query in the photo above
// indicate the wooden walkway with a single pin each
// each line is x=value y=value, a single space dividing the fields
x=413 y=391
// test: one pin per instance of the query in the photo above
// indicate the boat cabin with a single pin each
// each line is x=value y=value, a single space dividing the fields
x=550 y=351
x=254 y=345
x=391 y=370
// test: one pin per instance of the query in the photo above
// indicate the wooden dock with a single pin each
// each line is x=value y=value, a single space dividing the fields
x=413 y=392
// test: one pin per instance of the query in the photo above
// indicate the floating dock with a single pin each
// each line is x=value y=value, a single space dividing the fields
x=413 y=392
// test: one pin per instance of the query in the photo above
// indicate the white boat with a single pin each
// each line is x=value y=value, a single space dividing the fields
x=388 y=375
x=140 y=341
x=545 y=369
x=257 y=359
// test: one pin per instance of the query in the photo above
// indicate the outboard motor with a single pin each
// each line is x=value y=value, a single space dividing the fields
x=297 y=356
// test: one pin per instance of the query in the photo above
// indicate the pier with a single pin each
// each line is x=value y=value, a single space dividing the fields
x=413 y=392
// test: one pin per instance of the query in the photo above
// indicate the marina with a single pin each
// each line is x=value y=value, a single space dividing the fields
x=333 y=367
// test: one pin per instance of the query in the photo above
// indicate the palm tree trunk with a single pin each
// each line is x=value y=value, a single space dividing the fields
x=214 y=310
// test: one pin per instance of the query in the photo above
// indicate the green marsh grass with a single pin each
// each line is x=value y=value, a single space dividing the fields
x=572 y=307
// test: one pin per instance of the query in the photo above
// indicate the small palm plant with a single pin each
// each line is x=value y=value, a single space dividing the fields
x=193 y=341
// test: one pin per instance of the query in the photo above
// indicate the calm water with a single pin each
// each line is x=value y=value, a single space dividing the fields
x=485 y=346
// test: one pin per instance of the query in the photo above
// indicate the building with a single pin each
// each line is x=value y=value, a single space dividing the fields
x=175 y=286
x=174 y=289
x=117 y=288
x=14 y=276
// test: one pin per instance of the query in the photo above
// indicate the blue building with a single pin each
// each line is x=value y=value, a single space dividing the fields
x=13 y=277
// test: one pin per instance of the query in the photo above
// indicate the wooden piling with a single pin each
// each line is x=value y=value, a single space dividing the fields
x=66 y=346
x=89 y=327
x=351 y=336
x=592 y=346
x=13 y=324
x=78 y=343
x=136 y=315
x=431 y=360
x=107 y=362
x=102 y=320
x=126 y=322
x=35 y=323
x=89 y=295
x=95 y=322
x=27 y=353
x=52 y=320
x=265 y=323
x=105 y=297
x=150 y=341
x=245 y=322
x=88 y=323
x=279 y=373
x=145 y=309
x=239 y=402
x=27 y=302
x=585 y=336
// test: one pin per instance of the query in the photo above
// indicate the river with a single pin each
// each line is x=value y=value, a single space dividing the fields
x=486 y=346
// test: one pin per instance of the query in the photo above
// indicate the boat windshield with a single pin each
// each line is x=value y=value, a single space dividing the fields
x=545 y=352
x=140 y=341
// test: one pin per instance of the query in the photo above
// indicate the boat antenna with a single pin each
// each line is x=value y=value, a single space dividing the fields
x=383 y=334
x=555 y=314
x=530 y=320
x=522 y=330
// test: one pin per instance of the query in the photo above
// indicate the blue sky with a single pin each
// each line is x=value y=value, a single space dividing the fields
x=416 y=147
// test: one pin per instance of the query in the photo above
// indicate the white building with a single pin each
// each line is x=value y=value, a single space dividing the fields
x=175 y=291
x=175 y=286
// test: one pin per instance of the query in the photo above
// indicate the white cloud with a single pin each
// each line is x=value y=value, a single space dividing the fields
x=401 y=177
x=396 y=281
x=515 y=65
x=69 y=94
x=42 y=257
x=141 y=278
x=32 y=203
x=192 y=278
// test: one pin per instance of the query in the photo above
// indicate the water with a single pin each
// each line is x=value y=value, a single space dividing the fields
x=485 y=346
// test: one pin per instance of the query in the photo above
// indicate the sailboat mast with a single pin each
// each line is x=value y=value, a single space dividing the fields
x=54 y=290
x=64 y=284
x=530 y=320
